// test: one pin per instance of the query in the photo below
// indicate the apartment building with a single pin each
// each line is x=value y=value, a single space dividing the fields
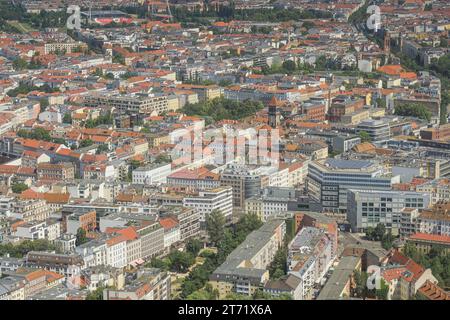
x=204 y=93
x=151 y=174
x=328 y=181
x=116 y=251
x=440 y=133
x=101 y=171
x=171 y=231
x=272 y=201
x=12 y=288
x=424 y=242
x=55 y=171
x=200 y=178
x=439 y=189
x=206 y=201
x=409 y=221
x=66 y=47
x=310 y=255
x=245 y=269
x=93 y=252
x=66 y=242
x=81 y=219
x=378 y=130
x=435 y=220
x=31 y=210
x=151 y=284
x=130 y=104
x=248 y=180
x=367 y=208
x=152 y=239
x=188 y=219
x=49 y=229
x=65 y=264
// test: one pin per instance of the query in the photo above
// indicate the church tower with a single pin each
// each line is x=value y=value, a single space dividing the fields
x=387 y=43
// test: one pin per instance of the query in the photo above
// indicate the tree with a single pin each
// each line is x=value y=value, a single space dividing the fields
x=194 y=246
x=86 y=143
x=277 y=268
x=21 y=249
x=387 y=241
x=380 y=230
x=207 y=293
x=221 y=108
x=382 y=293
x=19 y=187
x=180 y=261
x=43 y=103
x=361 y=289
x=81 y=236
x=215 y=223
x=19 y=64
x=162 y=158
x=370 y=233
x=67 y=118
x=97 y=294
x=289 y=66
x=413 y=110
x=109 y=76
x=163 y=264
x=365 y=137
x=102 y=148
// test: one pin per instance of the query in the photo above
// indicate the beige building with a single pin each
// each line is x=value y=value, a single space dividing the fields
x=64 y=47
x=58 y=171
x=144 y=104
x=31 y=210
x=439 y=189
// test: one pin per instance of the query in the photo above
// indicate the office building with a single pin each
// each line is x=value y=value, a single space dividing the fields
x=328 y=181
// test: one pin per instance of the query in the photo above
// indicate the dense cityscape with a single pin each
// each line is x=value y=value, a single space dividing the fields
x=225 y=150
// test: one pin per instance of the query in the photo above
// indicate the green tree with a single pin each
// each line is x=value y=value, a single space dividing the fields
x=215 y=223
x=97 y=294
x=289 y=66
x=86 y=143
x=102 y=149
x=21 y=249
x=20 y=64
x=81 y=236
x=380 y=230
x=163 y=264
x=365 y=137
x=19 y=187
x=194 y=246
x=67 y=118
x=43 y=103
x=413 y=110
x=180 y=261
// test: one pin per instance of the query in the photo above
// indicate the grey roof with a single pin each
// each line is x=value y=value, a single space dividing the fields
x=339 y=278
x=254 y=242
x=59 y=292
x=348 y=164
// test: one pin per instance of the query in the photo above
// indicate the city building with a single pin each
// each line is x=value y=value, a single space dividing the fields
x=245 y=269
x=206 y=201
x=328 y=181
x=367 y=208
